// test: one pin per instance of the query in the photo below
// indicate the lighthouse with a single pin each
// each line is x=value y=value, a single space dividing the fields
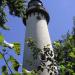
x=37 y=28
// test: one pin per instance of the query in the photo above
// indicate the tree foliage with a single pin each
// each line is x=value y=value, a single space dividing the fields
x=65 y=53
x=3 y=55
x=16 y=8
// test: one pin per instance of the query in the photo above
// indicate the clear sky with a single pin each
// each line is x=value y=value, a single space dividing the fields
x=61 y=14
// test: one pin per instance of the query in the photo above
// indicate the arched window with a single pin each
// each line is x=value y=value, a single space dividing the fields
x=38 y=17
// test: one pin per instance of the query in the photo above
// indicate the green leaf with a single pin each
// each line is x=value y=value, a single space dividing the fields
x=12 y=74
x=62 y=67
x=74 y=49
x=56 y=43
x=4 y=70
x=73 y=73
x=3 y=73
x=11 y=59
x=26 y=73
x=72 y=54
x=15 y=63
x=5 y=27
x=1 y=39
x=1 y=56
x=17 y=48
x=17 y=73
x=33 y=72
x=4 y=45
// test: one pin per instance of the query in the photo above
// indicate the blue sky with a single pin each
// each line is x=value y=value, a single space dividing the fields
x=61 y=14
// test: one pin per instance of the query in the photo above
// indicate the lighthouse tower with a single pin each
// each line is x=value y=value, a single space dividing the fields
x=37 y=28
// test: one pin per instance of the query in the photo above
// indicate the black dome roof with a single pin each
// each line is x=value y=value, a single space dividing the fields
x=35 y=3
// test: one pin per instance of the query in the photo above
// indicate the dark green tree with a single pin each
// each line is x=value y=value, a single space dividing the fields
x=65 y=53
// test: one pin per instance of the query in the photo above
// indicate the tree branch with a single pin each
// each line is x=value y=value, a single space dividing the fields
x=6 y=63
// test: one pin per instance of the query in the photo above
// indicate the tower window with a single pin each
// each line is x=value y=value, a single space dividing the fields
x=38 y=17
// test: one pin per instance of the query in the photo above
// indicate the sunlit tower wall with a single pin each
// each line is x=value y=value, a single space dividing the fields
x=37 y=28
